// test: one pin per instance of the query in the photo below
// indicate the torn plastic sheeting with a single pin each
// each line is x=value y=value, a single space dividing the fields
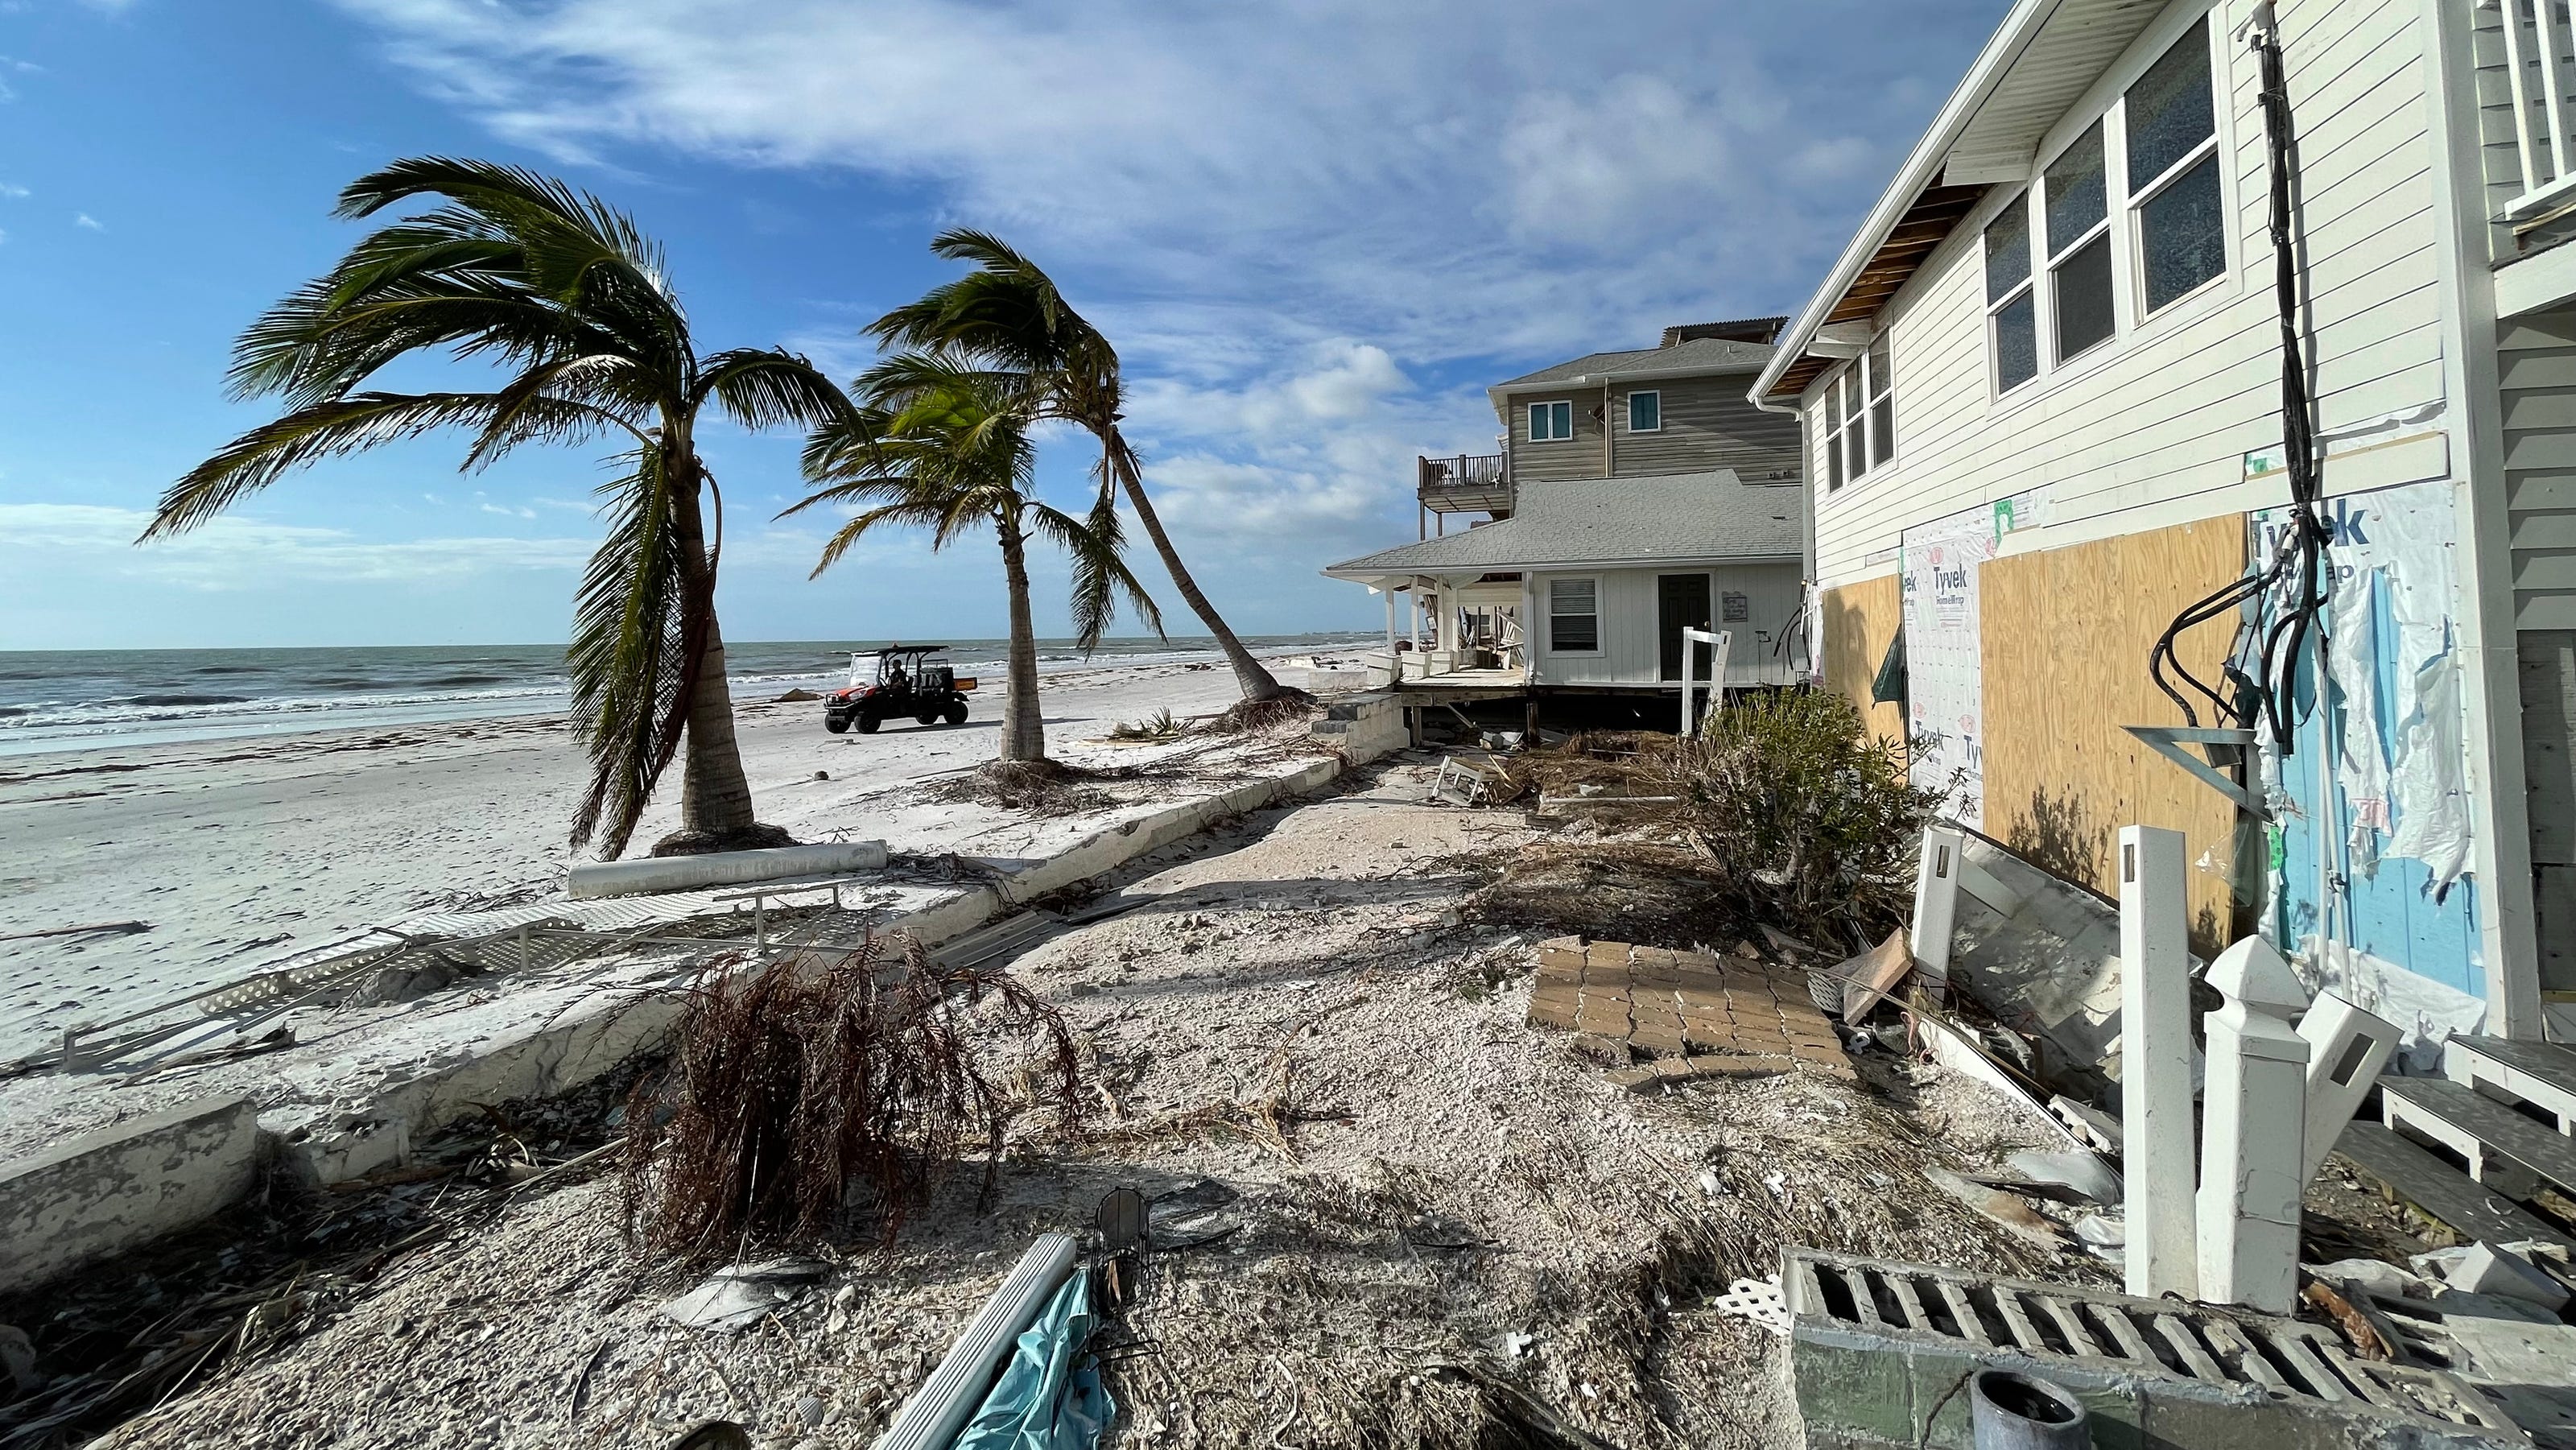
x=1049 y=1396
x=2426 y=1012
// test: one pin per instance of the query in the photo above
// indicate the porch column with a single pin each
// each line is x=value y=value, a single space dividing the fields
x=1386 y=587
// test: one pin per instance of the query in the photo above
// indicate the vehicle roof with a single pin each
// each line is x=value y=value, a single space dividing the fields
x=909 y=649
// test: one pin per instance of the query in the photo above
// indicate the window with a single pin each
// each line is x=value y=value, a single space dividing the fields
x=1734 y=608
x=1646 y=412
x=2053 y=256
x=1860 y=416
x=1573 y=615
x=1882 y=402
x=2009 y=303
x=2079 y=245
x=2173 y=172
x=1551 y=422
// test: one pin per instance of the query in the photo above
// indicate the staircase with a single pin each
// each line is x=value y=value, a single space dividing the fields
x=2507 y=1111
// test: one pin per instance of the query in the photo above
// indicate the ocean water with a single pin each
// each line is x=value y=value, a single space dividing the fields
x=90 y=699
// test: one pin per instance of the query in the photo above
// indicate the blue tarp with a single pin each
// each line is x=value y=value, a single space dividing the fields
x=1049 y=1396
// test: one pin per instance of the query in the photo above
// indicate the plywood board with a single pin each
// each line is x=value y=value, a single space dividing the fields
x=1860 y=621
x=2066 y=634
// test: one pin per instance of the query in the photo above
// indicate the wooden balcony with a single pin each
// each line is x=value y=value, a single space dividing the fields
x=1471 y=483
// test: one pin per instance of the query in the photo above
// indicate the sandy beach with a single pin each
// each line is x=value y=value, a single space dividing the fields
x=238 y=851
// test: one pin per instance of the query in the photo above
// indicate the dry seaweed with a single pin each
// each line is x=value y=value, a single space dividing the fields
x=831 y=1090
x=1038 y=787
x=1244 y=717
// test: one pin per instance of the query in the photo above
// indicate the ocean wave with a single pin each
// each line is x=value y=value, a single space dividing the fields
x=178 y=700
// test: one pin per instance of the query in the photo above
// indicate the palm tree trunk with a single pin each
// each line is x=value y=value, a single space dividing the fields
x=1257 y=682
x=715 y=798
x=1023 y=725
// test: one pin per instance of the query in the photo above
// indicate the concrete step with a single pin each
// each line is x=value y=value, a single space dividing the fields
x=2440 y=1192
x=2506 y=1151
x=2542 y=1074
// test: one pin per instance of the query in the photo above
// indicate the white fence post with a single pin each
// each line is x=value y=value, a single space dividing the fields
x=2346 y=1049
x=1720 y=641
x=1936 y=899
x=2254 y=1110
x=2155 y=1064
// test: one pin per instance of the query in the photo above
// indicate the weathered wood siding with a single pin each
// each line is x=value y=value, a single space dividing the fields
x=2152 y=429
x=2064 y=652
x=1631 y=642
x=1707 y=424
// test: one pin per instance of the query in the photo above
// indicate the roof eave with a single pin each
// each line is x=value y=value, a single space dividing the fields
x=1921 y=170
x=1364 y=576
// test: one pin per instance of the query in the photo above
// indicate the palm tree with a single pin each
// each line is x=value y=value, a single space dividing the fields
x=1008 y=317
x=956 y=455
x=565 y=293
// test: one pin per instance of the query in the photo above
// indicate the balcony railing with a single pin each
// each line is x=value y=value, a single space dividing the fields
x=1470 y=483
x=2540 y=63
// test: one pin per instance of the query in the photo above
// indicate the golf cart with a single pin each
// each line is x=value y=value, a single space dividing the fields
x=901 y=679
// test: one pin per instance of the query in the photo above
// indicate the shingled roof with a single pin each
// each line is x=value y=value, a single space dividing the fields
x=1673 y=519
x=1698 y=354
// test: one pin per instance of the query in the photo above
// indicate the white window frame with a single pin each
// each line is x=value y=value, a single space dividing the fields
x=2050 y=326
x=1841 y=423
x=2107 y=103
x=1553 y=436
x=1600 y=637
x=1655 y=393
x=2140 y=196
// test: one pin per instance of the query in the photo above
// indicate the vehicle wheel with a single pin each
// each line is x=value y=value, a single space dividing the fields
x=868 y=722
x=926 y=717
x=957 y=713
x=837 y=724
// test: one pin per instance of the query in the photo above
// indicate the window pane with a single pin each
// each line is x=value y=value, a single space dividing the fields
x=1574 y=631
x=1572 y=596
x=1882 y=373
x=2170 y=109
x=2083 y=297
x=2075 y=194
x=1645 y=412
x=1856 y=458
x=2008 y=250
x=2183 y=233
x=1833 y=461
x=1564 y=419
x=1882 y=429
x=2016 y=343
x=1538 y=428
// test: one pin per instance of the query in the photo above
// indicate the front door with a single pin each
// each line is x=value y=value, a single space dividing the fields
x=1681 y=602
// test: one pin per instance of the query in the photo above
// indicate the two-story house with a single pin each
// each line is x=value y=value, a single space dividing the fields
x=2047 y=413
x=1636 y=493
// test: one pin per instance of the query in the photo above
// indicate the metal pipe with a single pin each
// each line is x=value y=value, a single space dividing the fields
x=938 y=1410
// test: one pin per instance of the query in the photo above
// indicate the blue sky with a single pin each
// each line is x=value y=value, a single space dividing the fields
x=1316 y=231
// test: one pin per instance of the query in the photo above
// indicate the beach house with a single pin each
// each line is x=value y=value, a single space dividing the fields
x=2046 y=413
x=1632 y=494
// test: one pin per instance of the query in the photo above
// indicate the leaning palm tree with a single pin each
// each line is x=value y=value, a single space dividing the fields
x=955 y=455
x=565 y=294
x=1007 y=317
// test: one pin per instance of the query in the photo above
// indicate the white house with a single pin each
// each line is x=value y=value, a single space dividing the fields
x=1637 y=493
x=2045 y=411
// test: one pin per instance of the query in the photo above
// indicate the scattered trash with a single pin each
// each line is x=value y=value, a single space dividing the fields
x=1049 y=1396
x=2083 y=1171
x=95 y=928
x=2484 y=1268
x=2090 y=1125
x=2107 y=1237
x=1758 y=1300
x=1862 y=982
x=798 y=696
x=2005 y=1210
x=714 y=1435
x=1190 y=1216
x=2385 y=1281
x=1516 y=1344
x=735 y=1298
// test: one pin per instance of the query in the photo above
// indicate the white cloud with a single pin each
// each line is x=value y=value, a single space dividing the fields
x=233 y=552
x=12 y=193
x=84 y=219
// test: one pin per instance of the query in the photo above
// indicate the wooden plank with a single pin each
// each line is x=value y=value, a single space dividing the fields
x=2539 y=1151
x=2437 y=1190
x=2066 y=633
x=2549 y=1066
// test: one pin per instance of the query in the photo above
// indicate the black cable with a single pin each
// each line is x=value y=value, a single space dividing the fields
x=2300 y=549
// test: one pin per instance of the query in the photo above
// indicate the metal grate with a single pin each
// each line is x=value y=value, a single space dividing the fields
x=2285 y=1359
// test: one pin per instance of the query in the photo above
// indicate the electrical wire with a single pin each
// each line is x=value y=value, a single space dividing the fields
x=2299 y=552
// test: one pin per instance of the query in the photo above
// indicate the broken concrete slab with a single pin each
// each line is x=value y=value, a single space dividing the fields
x=103 y=1193
x=1676 y=1005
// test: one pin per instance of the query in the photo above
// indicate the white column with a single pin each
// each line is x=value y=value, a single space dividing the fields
x=2253 y=1115
x=1388 y=589
x=1936 y=899
x=2155 y=1063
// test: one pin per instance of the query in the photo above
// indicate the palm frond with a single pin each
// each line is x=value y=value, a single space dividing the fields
x=634 y=656
x=762 y=387
x=261 y=456
x=1100 y=572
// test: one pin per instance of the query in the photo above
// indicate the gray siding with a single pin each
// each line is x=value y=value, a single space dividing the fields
x=1631 y=650
x=1707 y=424
x=2536 y=363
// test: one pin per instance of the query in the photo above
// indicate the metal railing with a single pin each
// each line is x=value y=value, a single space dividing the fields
x=2540 y=63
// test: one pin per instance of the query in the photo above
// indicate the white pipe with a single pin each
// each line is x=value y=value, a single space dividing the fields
x=721 y=868
x=938 y=1410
